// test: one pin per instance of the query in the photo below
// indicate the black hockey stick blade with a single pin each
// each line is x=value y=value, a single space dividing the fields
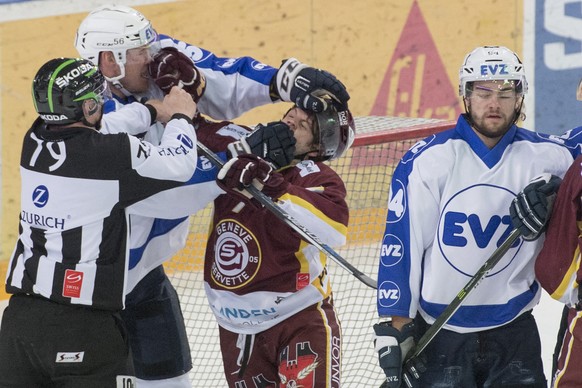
x=296 y=226
x=450 y=310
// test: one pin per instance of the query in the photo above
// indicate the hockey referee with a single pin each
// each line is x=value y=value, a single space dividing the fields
x=67 y=274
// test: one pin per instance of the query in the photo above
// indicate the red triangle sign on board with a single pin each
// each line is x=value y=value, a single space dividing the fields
x=416 y=83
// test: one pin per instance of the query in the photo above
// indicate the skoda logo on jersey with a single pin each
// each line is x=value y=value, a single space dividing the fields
x=40 y=196
x=186 y=141
x=392 y=250
x=470 y=230
x=388 y=294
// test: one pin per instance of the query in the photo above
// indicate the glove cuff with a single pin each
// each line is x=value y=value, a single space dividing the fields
x=237 y=148
x=386 y=328
x=285 y=77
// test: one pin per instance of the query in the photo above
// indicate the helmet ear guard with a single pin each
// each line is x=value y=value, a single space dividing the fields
x=335 y=132
x=491 y=63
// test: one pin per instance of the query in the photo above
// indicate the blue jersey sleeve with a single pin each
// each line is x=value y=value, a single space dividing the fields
x=233 y=85
x=394 y=293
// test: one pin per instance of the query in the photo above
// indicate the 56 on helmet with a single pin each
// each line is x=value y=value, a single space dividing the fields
x=61 y=86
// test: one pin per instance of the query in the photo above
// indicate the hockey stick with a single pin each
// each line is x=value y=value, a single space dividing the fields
x=452 y=308
x=292 y=222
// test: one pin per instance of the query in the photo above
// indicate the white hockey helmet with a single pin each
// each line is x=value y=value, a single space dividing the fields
x=490 y=63
x=114 y=28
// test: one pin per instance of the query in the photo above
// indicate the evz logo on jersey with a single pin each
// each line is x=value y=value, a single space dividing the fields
x=388 y=294
x=40 y=196
x=204 y=163
x=392 y=250
x=479 y=227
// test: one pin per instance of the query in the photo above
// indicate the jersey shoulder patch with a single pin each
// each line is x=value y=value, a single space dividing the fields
x=307 y=167
x=234 y=131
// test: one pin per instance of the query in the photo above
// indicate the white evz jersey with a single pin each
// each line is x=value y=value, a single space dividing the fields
x=448 y=211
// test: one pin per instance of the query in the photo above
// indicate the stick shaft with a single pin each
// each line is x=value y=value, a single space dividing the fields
x=295 y=225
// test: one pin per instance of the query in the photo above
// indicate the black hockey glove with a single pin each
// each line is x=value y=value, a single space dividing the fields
x=530 y=210
x=246 y=169
x=273 y=143
x=303 y=85
x=392 y=346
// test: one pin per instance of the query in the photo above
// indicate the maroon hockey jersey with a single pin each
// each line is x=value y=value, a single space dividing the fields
x=558 y=264
x=257 y=270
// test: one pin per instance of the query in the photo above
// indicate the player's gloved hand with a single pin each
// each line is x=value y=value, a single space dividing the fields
x=273 y=142
x=530 y=210
x=246 y=169
x=303 y=85
x=171 y=68
x=392 y=346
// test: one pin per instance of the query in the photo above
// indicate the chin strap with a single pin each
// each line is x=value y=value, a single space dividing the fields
x=119 y=87
x=115 y=81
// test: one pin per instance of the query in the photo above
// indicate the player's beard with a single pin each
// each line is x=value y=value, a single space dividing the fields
x=492 y=124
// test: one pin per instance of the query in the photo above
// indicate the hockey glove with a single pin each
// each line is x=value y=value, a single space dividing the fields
x=392 y=346
x=530 y=210
x=246 y=169
x=172 y=68
x=298 y=83
x=273 y=143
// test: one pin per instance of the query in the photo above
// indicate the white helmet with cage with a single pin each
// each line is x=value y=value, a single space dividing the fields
x=114 y=28
x=490 y=63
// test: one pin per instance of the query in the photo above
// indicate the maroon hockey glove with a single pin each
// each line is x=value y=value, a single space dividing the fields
x=303 y=85
x=172 y=68
x=531 y=208
x=246 y=169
